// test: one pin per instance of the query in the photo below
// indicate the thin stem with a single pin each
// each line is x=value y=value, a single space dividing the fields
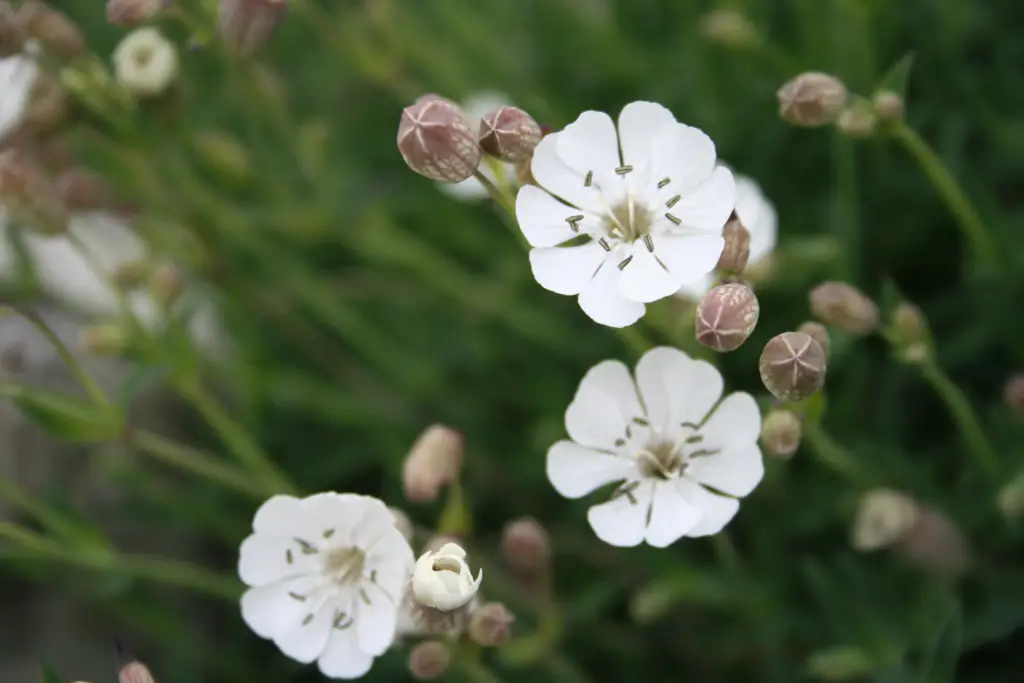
x=970 y=222
x=966 y=420
x=49 y=517
x=635 y=339
x=831 y=453
x=195 y=462
x=504 y=198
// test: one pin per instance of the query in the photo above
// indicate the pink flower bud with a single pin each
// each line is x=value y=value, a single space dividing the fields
x=845 y=307
x=509 y=134
x=436 y=141
x=737 y=247
x=812 y=99
x=429 y=659
x=792 y=366
x=246 y=26
x=434 y=461
x=526 y=546
x=726 y=316
x=132 y=13
x=491 y=625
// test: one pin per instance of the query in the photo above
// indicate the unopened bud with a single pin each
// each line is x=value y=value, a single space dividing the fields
x=883 y=518
x=781 y=432
x=53 y=30
x=910 y=333
x=105 y=339
x=402 y=523
x=812 y=99
x=792 y=366
x=818 y=333
x=509 y=134
x=729 y=27
x=166 y=284
x=429 y=659
x=246 y=26
x=1013 y=395
x=491 y=624
x=1011 y=498
x=27 y=192
x=132 y=13
x=442 y=580
x=726 y=316
x=845 y=307
x=526 y=546
x=134 y=672
x=737 y=247
x=858 y=121
x=83 y=190
x=146 y=63
x=434 y=461
x=889 y=106
x=48 y=110
x=935 y=544
x=436 y=141
x=132 y=274
x=12 y=35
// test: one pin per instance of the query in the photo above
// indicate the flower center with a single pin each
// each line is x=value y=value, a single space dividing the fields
x=345 y=565
x=447 y=564
x=628 y=221
x=661 y=460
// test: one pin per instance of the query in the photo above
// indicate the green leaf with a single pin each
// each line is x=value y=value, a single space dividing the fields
x=939 y=665
x=840 y=663
x=897 y=77
x=142 y=378
x=65 y=417
x=49 y=675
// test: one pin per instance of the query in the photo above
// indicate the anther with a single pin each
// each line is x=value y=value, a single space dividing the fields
x=625 y=262
x=604 y=244
x=623 y=170
x=649 y=243
x=309 y=618
x=589 y=179
x=672 y=218
x=672 y=202
x=296 y=596
x=663 y=182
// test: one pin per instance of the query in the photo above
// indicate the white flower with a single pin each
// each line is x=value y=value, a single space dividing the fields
x=145 y=63
x=682 y=461
x=761 y=220
x=327 y=574
x=475 y=108
x=442 y=580
x=654 y=215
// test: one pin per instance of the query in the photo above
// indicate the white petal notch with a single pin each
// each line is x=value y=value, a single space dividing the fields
x=646 y=200
x=679 y=454
x=443 y=581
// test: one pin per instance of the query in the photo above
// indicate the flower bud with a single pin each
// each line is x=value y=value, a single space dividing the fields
x=1013 y=395
x=105 y=339
x=166 y=284
x=12 y=35
x=402 y=523
x=132 y=13
x=436 y=141
x=792 y=366
x=728 y=27
x=934 y=543
x=82 y=190
x=726 y=316
x=910 y=333
x=134 y=672
x=812 y=99
x=246 y=26
x=53 y=30
x=526 y=546
x=781 y=432
x=429 y=659
x=28 y=194
x=889 y=106
x=434 y=461
x=443 y=581
x=1011 y=498
x=845 y=307
x=48 y=109
x=883 y=518
x=146 y=63
x=491 y=624
x=818 y=333
x=509 y=134
x=737 y=247
x=858 y=121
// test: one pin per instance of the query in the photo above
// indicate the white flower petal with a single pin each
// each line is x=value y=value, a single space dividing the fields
x=605 y=403
x=716 y=511
x=331 y=516
x=672 y=515
x=263 y=560
x=736 y=470
x=576 y=470
x=17 y=77
x=622 y=522
x=600 y=298
x=542 y=218
x=736 y=420
x=553 y=175
x=376 y=622
x=676 y=389
x=468 y=190
x=640 y=124
x=392 y=557
x=686 y=156
x=590 y=143
x=690 y=257
x=566 y=270
x=708 y=206
x=342 y=658
x=695 y=291
x=644 y=279
x=281 y=515
x=377 y=522
x=306 y=641
x=270 y=610
x=758 y=215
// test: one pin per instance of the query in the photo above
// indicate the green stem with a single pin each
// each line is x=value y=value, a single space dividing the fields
x=970 y=222
x=47 y=516
x=634 y=338
x=477 y=672
x=831 y=453
x=194 y=462
x=966 y=420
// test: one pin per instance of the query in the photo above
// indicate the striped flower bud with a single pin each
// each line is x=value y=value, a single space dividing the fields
x=845 y=307
x=818 y=333
x=433 y=462
x=246 y=26
x=436 y=141
x=726 y=316
x=812 y=99
x=509 y=134
x=792 y=366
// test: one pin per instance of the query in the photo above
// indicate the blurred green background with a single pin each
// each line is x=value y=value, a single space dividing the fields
x=364 y=304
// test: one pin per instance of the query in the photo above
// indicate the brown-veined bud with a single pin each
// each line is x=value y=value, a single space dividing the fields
x=436 y=141
x=1013 y=395
x=429 y=659
x=845 y=307
x=792 y=366
x=526 y=546
x=818 y=333
x=726 y=316
x=132 y=13
x=491 y=624
x=166 y=284
x=83 y=190
x=53 y=30
x=433 y=462
x=812 y=99
x=509 y=134
x=246 y=26
x=858 y=121
x=737 y=247
x=781 y=432
x=12 y=35
x=889 y=106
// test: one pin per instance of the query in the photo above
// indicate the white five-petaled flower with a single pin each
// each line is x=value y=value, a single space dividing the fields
x=651 y=199
x=475 y=108
x=327 y=576
x=442 y=580
x=145 y=62
x=759 y=217
x=682 y=456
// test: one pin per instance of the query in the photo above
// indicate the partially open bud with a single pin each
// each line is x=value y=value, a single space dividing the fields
x=434 y=461
x=146 y=63
x=132 y=13
x=818 y=333
x=812 y=99
x=402 y=523
x=491 y=624
x=436 y=141
x=442 y=580
x=429 y=659
x=858 y=121
x=889 y=106
x=845 y=307
x=726 y=316
x=728 y=27
x=509 y=134
x=166 y=284
x=1011 y=498
x=526 y=546
x=1013 y=395
x=12 y=35
x=246 y=26
x=781 y=432
x=792 y=366
x=104 y=339
x=53 y=30
x=737 y=247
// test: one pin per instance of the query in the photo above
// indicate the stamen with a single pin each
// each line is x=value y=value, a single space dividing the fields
x=574 y=221
x=619 y=443
x=604 y=244
x=625 y=262
x=672 y=202
x=696 y=438
x=663 y=182
x=296 y=596
x=309 y=618
x=649 y=243
x=289 y=556
x=623 y=170
x=306 y=547
x=641 y=421
x=673 y=218
x=364 y=595
x=342 y=622
x=328 y=533
x=589 y=179
x=373 y=576
x=627 y=491
x=702 y=452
